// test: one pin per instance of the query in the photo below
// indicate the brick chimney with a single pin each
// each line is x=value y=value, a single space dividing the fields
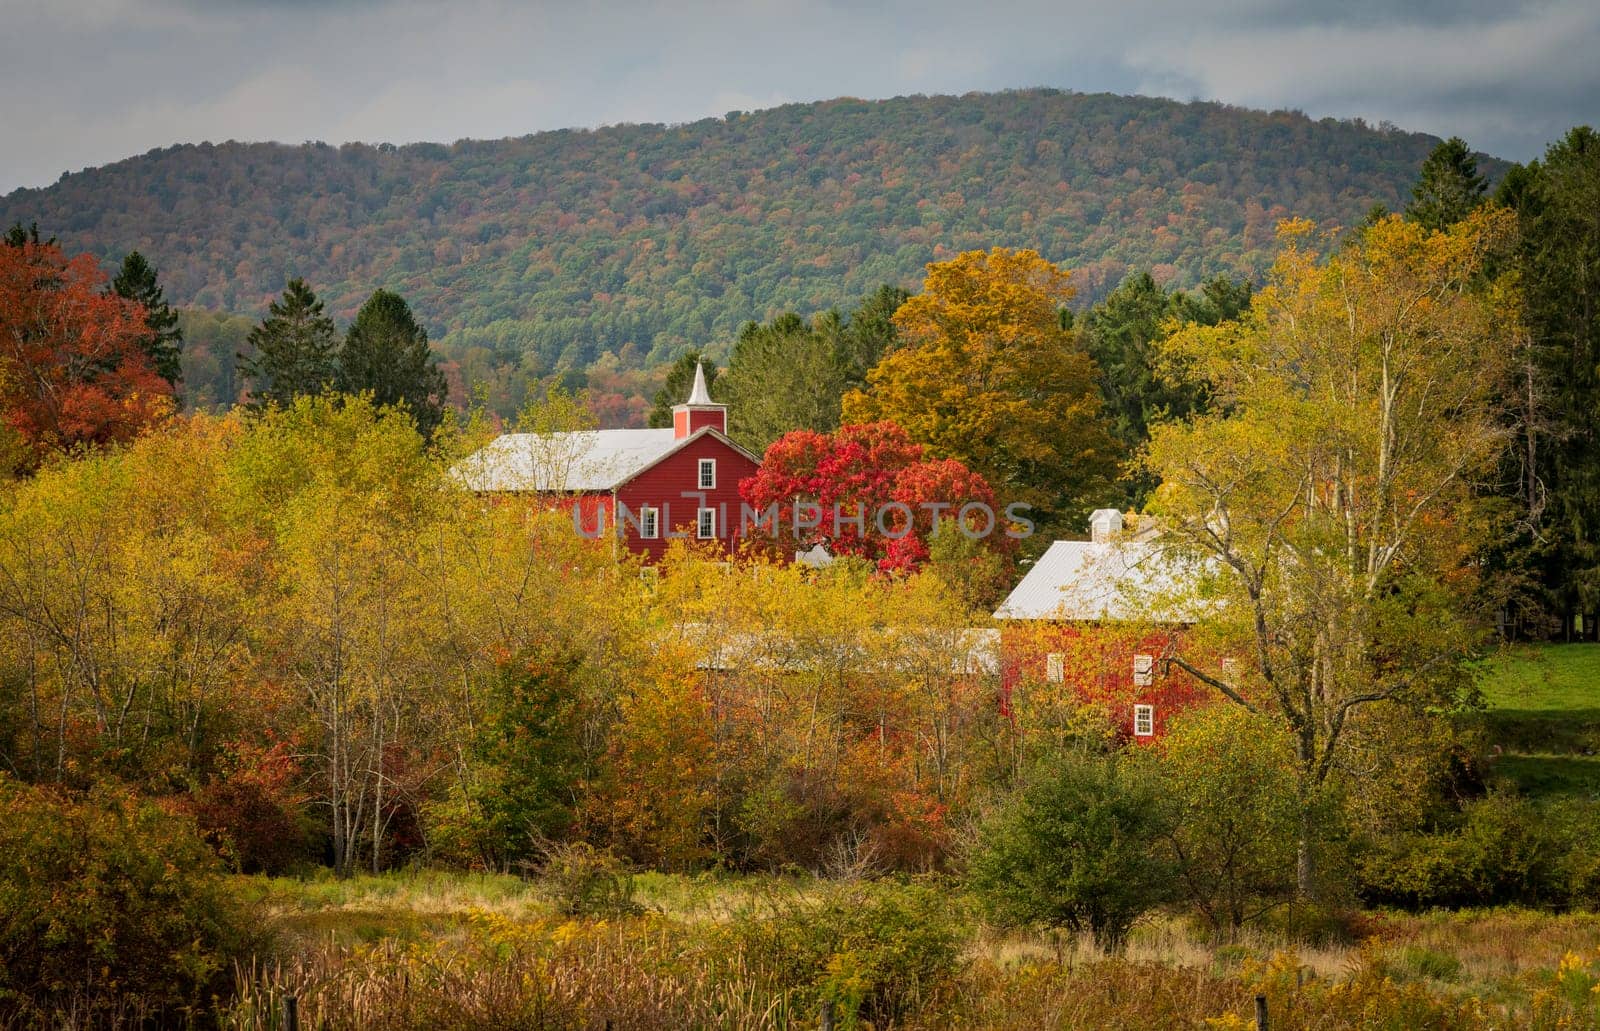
x=699 y=411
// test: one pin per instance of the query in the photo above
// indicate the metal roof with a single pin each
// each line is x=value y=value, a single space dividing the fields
x=1115 y=580
x=581 y=460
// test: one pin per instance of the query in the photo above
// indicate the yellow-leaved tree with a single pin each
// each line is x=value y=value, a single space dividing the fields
x=986 y=374
x=1332 y=485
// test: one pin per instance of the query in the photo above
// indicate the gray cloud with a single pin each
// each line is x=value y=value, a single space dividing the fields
x=102 y=79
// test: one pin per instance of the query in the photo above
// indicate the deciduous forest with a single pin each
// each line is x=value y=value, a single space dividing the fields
x=622 y=246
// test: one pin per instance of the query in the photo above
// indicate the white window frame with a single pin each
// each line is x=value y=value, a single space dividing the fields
x=1144 y=670
x=1144 y=721
x=649 y=523
x=1055 y=668
x=705 y=524
x=1230 y=668
x=649 y=575
x=707 y=465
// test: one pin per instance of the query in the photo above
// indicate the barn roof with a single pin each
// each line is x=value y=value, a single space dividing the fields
x=582 y=460
x=1115 y=580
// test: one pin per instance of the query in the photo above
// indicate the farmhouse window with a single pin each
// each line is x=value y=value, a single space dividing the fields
x=1144 y=670
x=1055 y=667
x=1144 y=720
x=649 y=523
x=706 y=527
x=708 y=473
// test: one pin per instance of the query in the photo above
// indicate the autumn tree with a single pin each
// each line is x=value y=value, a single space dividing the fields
x=293 y=352
x=986 y=375
x=869 y=491
x=343 y=492
x=1333 y=488
x=163 y=344
x=1448 y=188
x=73 y=365
x=386 y=354
x=123 y=602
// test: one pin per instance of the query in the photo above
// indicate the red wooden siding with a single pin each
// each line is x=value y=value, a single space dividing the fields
x=1098 y=666
x=688 y=421
x=672 y=485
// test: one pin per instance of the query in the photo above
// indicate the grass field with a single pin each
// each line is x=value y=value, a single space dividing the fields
x=1544 y=717
x=429 y=949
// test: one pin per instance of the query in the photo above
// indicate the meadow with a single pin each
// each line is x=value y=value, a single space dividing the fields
x=436 y=949
x=429 y=949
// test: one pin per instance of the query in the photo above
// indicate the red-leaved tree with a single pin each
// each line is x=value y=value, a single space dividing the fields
x=73 y=370
x=866 y=490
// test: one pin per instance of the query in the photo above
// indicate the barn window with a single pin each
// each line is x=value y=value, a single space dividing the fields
x=706 y=525
x=1055 y=667
x=1144 y=670
x=1230 y=669
x=649 y=523
x=650 y=575
x=708 y=473
x=1144 y=720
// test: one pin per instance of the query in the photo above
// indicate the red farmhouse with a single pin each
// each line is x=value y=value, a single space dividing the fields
x=641 y=487
x=1090 y=616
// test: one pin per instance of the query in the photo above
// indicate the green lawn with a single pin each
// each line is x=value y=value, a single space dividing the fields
x=1544 y=715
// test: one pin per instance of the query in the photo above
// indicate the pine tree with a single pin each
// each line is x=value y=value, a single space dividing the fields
x=784 y=375
x=293 y=351
x=676 y=389
x=386 y=354
x=1448 y=187
x=136 y=281
x=1557 y=201
x=18 y=235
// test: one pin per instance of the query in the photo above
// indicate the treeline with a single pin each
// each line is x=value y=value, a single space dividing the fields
x=641 y=241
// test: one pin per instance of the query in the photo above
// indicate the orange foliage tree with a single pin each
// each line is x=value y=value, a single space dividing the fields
x=73 y=370
x=987 y=375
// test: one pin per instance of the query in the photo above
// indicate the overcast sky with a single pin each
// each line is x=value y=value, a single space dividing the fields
x=84 y=82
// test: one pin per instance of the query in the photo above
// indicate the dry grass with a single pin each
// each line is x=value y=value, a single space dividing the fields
x=437 y=951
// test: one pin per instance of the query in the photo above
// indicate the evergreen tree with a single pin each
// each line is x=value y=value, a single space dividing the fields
x=136 y=281
x=292 y=351
x=386 y=353
x=784 y=375
x=1448 y=188
x=869 y=333
x=676 y=389
x=1122 y=334
x=19 y=234
x=1557 y=201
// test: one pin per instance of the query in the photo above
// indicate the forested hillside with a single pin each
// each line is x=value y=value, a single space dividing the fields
x=642 y=240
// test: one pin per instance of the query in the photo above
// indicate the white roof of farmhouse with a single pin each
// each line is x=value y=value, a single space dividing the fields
x=581 y=460
x=1115 y=580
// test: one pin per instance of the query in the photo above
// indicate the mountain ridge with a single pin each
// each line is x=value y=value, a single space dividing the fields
x=644 y=239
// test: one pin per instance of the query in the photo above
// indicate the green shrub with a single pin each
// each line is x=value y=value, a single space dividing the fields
x=1082 y=847
x=1229 y=779
x=877 y=950
x=585 y=881
x=109 y=904
x=1501 y=849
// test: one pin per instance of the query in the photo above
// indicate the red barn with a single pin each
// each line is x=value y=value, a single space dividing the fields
x=643 y=488
x=1097 y=616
